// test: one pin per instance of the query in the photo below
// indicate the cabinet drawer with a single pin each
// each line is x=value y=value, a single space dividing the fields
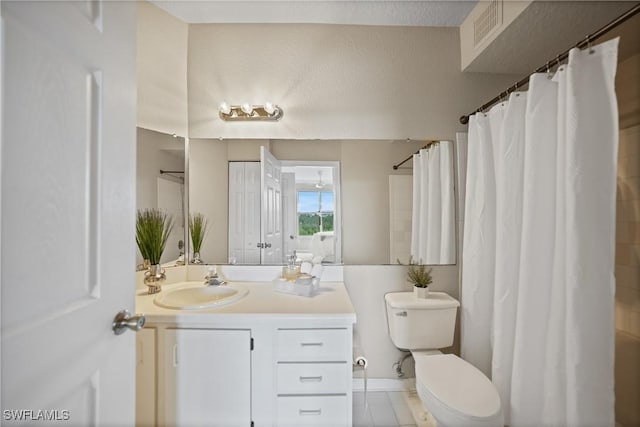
x=312 y=411
x=313 y=378
x=304 y=345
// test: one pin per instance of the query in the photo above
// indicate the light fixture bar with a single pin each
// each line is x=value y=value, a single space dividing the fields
x=248 y=112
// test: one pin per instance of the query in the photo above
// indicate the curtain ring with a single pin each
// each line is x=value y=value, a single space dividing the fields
x=588 y=38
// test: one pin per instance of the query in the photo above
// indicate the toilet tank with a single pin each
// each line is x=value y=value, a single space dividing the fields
x=421 y=323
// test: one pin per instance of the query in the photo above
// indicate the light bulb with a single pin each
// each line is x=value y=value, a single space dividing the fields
x=246 y=108
x=269 y=108
x=224 y=108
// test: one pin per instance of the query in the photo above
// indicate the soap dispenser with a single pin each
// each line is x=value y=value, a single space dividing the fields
x=292 y=270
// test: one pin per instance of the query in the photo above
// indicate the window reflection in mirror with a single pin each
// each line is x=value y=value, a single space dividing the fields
x=312 y=230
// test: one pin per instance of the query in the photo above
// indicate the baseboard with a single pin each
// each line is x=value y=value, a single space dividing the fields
x=385 y=384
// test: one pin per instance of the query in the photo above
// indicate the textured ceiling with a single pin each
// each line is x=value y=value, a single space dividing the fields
x=449 y=13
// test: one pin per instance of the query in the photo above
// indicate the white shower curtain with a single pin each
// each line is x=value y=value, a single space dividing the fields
x=433 y=222
x=538 y=253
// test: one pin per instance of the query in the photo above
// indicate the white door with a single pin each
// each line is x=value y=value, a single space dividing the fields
x=251 y=214
x=244 y=212
x=207 y=377
x=271 y=208
x=236 y=209
x=68 y=206
x=289 y=212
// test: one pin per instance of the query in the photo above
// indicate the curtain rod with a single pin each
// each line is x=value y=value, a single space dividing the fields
x=427 y=145
x=586 y=42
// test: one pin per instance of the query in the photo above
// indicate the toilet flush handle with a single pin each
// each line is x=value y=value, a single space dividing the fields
x=401 y=314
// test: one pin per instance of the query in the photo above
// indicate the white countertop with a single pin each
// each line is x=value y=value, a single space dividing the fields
x=332 y=302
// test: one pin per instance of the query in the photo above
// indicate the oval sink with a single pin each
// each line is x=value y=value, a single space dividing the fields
x=198 y=296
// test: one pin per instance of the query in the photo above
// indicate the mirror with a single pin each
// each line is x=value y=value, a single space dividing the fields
x=160 y=161
x=371 y=216
x=374 y=207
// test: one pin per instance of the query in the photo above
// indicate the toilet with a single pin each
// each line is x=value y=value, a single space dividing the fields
x=455 y=392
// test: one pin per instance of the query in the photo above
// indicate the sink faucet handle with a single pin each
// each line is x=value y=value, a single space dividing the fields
x=211 y=273
x=212 y=278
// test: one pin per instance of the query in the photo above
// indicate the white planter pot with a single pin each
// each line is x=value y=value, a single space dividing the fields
x=421 y=292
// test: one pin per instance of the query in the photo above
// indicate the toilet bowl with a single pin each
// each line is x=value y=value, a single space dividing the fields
x=455 y=392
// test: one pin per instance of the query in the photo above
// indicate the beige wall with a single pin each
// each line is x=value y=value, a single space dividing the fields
x=333 y=81
x=161 y=70
x=627 y=376
x=154 y=151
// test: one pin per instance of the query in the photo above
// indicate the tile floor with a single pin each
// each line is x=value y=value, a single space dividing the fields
x=390 y=409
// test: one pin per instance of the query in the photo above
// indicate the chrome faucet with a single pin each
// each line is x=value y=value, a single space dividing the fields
x=212 y=279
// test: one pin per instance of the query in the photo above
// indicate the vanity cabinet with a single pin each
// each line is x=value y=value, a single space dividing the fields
x=313 y=377
x=268 y=360
x=206 y=377
x=146 y=377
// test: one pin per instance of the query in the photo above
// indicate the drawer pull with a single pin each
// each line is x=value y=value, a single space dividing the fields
x=311 y=379
x=310 y=411
x=402 y=314
x=311 y=344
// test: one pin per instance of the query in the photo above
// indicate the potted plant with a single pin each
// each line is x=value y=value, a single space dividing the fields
x=153 y=227
x=420 y=276
x=197 y=228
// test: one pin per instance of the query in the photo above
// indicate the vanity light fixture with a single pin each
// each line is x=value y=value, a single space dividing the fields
x=248 y=112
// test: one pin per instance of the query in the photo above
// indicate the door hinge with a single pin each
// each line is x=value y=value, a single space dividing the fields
x=252 y=424
x=251 y=344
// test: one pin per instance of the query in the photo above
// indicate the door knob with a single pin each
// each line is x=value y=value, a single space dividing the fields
x=124 y=320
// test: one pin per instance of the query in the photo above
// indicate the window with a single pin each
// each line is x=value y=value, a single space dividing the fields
x=315 y=212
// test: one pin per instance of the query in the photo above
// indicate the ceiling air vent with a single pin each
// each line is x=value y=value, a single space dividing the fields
x=489 y=19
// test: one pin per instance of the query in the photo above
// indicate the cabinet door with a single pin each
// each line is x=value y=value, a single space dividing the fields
x=146 y=377
x=207 y=377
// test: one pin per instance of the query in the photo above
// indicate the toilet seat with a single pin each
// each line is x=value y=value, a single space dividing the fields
x=455 y=392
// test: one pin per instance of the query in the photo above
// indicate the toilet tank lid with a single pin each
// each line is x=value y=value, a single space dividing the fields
x=407 y=300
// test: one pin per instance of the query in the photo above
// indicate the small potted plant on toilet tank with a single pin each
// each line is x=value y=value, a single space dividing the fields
x=420 y=276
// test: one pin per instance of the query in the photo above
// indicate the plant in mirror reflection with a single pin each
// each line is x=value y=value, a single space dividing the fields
x=153 y=227
x=197 y=228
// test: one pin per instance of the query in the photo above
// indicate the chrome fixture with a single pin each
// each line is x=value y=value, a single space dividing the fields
x=212 y=279
x=124 y=320
x=154 y=277
x=398 y=365
x=249 y=112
